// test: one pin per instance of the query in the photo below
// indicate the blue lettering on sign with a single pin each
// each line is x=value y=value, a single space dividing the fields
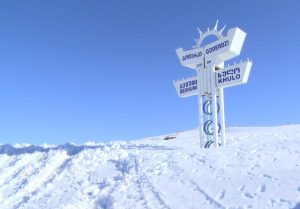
x=229 y=75
x=199 y=65
x=188 y=86
x=191 y=56
x=217 y=47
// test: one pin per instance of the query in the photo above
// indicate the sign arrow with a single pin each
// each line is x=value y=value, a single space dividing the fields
x=225 y=48
x=233 y=75
x=186 y=87
x=192 y=58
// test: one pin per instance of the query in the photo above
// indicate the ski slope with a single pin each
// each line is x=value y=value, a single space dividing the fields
x=259 y=168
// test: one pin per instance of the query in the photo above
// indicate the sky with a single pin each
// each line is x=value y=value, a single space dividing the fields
x=91 y=70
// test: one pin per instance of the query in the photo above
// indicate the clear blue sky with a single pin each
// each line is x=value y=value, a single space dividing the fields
x=79 y=70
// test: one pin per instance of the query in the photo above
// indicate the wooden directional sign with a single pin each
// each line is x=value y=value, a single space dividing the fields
x=233 y=75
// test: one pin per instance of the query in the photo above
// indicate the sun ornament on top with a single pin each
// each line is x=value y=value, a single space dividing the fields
x=209 y=32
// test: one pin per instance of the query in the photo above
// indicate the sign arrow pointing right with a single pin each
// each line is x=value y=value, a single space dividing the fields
x=233 y=75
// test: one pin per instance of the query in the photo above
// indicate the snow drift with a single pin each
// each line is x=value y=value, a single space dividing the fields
x=259 y=168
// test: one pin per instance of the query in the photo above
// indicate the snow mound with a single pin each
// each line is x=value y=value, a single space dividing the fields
x=259 y=168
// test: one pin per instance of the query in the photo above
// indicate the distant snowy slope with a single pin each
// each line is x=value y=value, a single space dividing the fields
x=259 y=168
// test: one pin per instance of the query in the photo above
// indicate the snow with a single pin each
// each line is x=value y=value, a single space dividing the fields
x=259 y=168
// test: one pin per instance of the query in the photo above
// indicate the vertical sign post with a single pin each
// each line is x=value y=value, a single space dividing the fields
x=211 y=78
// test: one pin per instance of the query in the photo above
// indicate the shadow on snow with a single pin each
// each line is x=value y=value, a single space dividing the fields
x=71 y=149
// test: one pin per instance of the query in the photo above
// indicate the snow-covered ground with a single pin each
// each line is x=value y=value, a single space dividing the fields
x=259 y=168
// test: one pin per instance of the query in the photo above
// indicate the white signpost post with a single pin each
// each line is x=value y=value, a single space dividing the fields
x=212 y=77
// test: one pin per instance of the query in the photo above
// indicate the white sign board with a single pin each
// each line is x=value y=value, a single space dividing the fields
x=233 y=75
x=225 y=48
x=186 y=87
x=192 y=58
x=216 y=52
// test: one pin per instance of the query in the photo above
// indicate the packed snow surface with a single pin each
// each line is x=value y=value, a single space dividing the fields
x=259 y=168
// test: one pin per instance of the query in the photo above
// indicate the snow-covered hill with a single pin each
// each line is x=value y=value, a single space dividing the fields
x=260 y=168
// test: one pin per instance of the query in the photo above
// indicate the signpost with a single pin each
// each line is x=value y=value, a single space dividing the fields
x=212 y=77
